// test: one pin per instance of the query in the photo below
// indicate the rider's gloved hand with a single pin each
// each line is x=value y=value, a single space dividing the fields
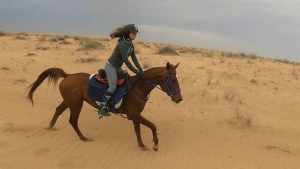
x=140 y=74
x=140 y=69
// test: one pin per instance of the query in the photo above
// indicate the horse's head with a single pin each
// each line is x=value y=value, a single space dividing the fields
x=171 y=84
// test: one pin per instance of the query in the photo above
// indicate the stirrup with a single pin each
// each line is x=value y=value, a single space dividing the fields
x=104 y=111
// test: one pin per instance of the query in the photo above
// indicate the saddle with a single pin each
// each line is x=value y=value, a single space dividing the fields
x=101 y=77
x=98 y=85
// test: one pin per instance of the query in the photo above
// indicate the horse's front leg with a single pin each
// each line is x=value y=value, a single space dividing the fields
x=137 y=130
x=140 y=119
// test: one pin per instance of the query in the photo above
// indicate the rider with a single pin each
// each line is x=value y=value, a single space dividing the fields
x=122 y=51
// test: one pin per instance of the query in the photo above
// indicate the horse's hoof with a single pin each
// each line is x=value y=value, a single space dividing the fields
x=87 y=139
x=144 y=148
x=50 y=128
x=155 y=147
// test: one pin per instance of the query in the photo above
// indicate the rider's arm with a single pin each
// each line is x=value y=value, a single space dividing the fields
x=135 y=61
x=124 y=50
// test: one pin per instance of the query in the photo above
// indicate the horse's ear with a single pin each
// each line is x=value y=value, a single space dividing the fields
x=168 y=66
x=177 y=65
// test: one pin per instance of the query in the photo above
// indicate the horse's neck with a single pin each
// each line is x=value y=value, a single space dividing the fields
x=155 y=76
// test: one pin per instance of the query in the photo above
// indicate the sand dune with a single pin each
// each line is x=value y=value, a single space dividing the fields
x=236 y=112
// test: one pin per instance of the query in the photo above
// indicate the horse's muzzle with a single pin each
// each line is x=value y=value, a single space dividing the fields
x=177 y=100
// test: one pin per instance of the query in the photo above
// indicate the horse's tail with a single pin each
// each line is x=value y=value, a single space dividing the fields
x=53 y=74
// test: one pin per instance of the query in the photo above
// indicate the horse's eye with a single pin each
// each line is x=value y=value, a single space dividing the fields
x=174 y=80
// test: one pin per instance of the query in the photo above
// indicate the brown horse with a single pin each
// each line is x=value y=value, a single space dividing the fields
x=73 y=89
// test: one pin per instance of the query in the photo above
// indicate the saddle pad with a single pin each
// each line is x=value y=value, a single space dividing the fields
x=104 y=80
x=97 y=89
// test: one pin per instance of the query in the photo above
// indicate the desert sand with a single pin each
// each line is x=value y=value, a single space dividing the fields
x=238 y=111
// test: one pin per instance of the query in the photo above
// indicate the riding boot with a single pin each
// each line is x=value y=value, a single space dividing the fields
x=103 y=106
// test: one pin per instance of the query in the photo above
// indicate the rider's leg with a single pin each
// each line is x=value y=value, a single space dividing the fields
x=111 y=73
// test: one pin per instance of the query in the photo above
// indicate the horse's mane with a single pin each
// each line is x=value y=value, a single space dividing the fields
x=158 y=69
x=154 y=68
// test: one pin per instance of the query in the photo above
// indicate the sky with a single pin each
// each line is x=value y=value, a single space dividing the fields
x=268 y=28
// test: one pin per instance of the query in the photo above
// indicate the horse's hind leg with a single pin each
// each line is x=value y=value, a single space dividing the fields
x=75 y=112
x=59 y=110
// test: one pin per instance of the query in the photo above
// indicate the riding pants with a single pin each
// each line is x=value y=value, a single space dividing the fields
x=111 y=74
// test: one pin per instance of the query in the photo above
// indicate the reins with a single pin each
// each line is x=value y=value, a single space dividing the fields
x=169 y=92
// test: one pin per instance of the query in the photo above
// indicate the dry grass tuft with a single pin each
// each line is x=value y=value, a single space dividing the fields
x=209 y=77
x=217 y=97
x=64 y=42
x=139 y=43
x=88 y=59
x=243 y=118
x=90 y=44
x=39 y=46
x=238 y=112
x=145 y=63
x=252 y=56
x=230 y=55
x=2 y=33
x=230 y=94
x=137 y=50
x=57 y=38
x=54 y=39
x=167 y=51
x=282 y=61
x=203 y=92
x=23 y=34
x=243 y=55
x=5 y=68
x=189 y=50
x=21 y=80
x=80 y=39
x=275 y=147
x=241 y=99
x=210 y=54
x=66 y=36
x=60 y=38
x=295 y=74
x=253 y=81
x=77 y=37
x=20 y=37
x=104 y=39
x=30 y=54
x=42 y=38
x=239 y=55
x=249 y=119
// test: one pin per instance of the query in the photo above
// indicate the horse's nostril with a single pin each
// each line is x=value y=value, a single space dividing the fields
x=180 y=100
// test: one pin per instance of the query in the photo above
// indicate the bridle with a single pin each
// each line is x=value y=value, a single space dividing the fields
x=169 y=92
